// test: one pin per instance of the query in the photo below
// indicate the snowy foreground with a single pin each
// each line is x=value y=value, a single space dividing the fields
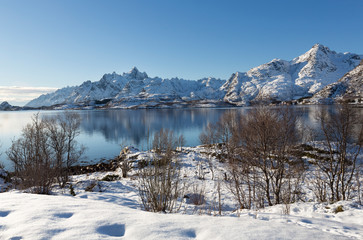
x=112 y=210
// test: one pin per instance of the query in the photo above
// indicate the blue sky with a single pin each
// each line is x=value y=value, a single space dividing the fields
x=52 y=44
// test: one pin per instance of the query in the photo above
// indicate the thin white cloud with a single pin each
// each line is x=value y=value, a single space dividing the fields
x=21 y=95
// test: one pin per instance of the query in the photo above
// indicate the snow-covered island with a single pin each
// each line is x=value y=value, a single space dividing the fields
x=278 y=81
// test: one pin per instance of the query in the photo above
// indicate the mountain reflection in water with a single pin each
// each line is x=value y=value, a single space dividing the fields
x=104 y=132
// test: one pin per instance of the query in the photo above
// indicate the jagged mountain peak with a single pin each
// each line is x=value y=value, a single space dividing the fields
x=274 y=65
x=280 y=80
x=320 y=47
x=318 y=52
x=134 y=70
x=134 y=73
x=277 y=80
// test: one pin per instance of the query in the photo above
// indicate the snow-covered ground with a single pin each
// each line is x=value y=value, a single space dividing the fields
x=94 y=216
x=112 y=210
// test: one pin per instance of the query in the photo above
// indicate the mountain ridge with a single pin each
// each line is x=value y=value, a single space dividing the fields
x=281 y=80
x=275 y=81
x=348 y=88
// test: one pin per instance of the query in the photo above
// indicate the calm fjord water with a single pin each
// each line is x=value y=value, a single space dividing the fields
x=103 y=132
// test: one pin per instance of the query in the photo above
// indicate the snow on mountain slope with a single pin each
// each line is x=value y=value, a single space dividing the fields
x=173 y=89
x=5 y=106
x=268 y=81
x=281 y=80
x=109 y=86
x=321 y=66
x=133 y=86
x=278 y=80
x=350 y=87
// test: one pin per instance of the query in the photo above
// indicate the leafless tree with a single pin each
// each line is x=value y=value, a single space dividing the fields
x=243 y=184
x=210 y=139
x=267 y=137
x=45 y=151
x=343 y=139
x=32 y=157
x=209 y=135
x=218 y=138
x=226 y=129
x=262 y=166
x=319 y=186
x=219 y=196
x=62 y=131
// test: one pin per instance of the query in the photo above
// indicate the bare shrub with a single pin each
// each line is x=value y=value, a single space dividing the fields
x=159 y=186
x=319 y=186
x=160 y=181
x=219 y=196
x=125 y=162
x=338 y=209
x=125 y=167
x=110 y=178
x=209 y=138
x=197 y=195
x=71 y=190
x=93 y=186
x=200 y=173
x=164 y=142
x=164 y=145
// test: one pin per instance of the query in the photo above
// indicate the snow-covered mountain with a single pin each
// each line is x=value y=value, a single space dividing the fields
x=278 y=80
x=134 y=87
x=349 y=87
x=5 y=106
x=281 y=80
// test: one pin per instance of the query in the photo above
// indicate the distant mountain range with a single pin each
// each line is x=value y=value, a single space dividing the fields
x=319 y=73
